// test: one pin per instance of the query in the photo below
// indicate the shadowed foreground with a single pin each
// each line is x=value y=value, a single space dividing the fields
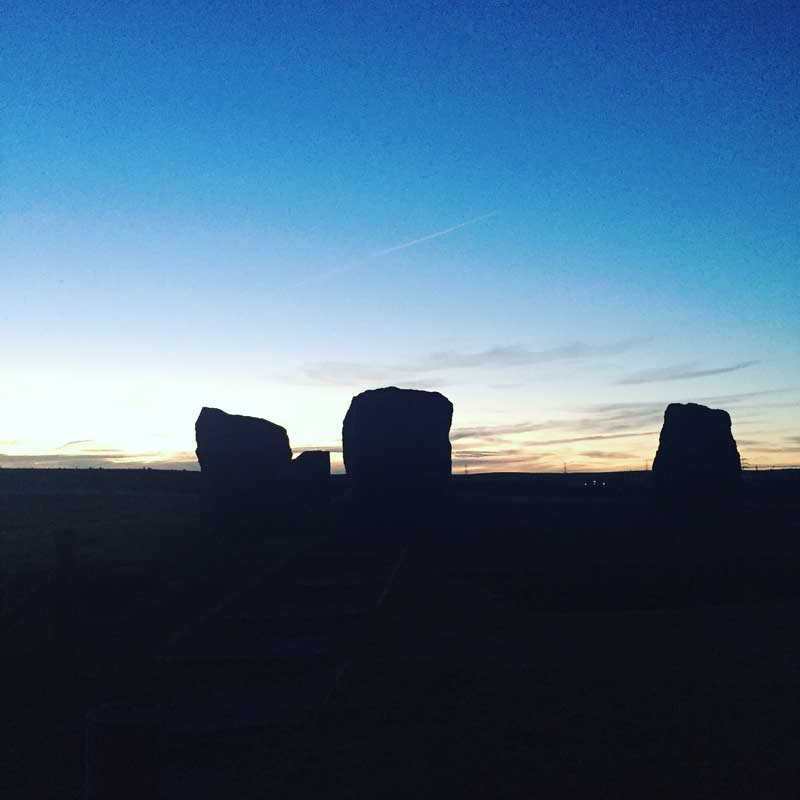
x=527 y=634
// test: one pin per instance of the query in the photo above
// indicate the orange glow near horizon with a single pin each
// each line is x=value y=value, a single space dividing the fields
x=471 y=455
x=130 y=420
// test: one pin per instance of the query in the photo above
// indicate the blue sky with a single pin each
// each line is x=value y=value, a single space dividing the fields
x=222 y=204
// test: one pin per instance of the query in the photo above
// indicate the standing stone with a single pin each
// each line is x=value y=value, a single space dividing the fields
x=312 y=465
x=697 y=453
x=238 y=453
x=397 y=438
x=311 y=473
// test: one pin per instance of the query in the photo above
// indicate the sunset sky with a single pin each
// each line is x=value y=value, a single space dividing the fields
x=562 y=216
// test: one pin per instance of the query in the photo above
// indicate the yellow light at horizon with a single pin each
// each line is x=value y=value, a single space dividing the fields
x=129 y=418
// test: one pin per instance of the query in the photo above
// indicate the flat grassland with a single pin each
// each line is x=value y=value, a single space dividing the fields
x=542 y=637
x=80 y=627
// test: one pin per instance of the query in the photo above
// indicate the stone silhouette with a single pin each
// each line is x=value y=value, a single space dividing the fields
x=397 y=438
x=238 y=453
x=312 y=465
x=311 y=472
x=697 y=453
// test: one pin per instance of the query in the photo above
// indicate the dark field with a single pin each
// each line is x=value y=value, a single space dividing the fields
x=525 y=636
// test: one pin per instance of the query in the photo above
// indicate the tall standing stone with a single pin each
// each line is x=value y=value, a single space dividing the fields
x=238 y=453
x=397 y=438
x=697 y=453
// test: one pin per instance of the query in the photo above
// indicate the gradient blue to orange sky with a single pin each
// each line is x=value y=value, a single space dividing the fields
x=561 y=215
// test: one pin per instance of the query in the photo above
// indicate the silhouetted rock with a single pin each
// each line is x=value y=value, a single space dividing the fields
x=238 y=453
x=312 y=465
x=311 y=472
x=397 y=438
x=697 y=453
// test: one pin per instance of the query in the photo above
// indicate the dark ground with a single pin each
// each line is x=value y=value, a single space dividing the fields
x=536 y=635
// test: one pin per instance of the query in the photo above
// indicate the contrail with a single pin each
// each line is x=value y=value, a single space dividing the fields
x=378 y=253
x=436 y=235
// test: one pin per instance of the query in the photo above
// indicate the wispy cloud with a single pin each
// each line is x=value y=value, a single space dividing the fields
x=594 y=423
x=618 y=417
x=680 y=372
x=344 y=373
x=608 y=455
x=740 y=396
x=516 y=355
x=73 y=443
x=341 y=373
x=593 y=438
x=494 y=431
x=773 y=444
x=101 y=459
x=774 y=449
x=613 y=417
x=499 y=460
x=505 y=453
x=635 y=407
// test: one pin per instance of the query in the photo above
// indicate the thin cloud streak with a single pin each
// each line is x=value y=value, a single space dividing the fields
x=681 y=372
x=337 y=373
x=591 y=438
x=494 y=431
x=737 y=398
x=100 y=459
x=777 y=450
x=515 y=355
x=608 y=455
x=333 y=374
x=639 y=407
